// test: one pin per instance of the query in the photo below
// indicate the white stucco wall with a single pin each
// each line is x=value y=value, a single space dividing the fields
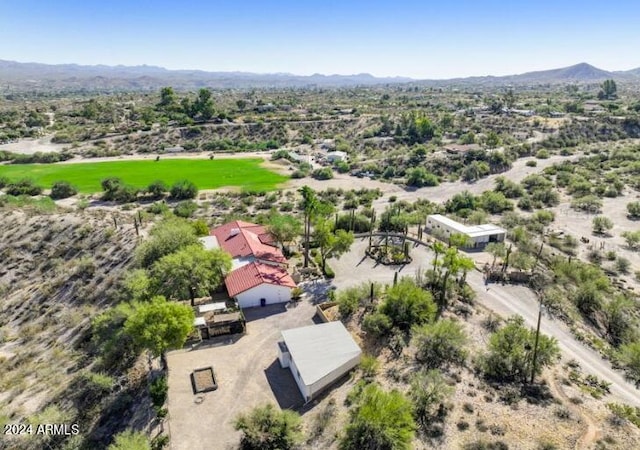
x=304 y=390
x=323 y=382
x=435 y=225
x=273 y=294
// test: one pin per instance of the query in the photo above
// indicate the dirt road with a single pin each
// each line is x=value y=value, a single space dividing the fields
x=354 y=268
x=445 y=191
x=509 y=300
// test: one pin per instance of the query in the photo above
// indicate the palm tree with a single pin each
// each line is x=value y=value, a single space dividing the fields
x=309 y=205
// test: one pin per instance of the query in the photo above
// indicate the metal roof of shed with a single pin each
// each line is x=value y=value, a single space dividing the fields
x=318 y=350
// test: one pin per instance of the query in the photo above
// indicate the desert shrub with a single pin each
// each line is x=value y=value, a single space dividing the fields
x=130 y=440
x=633 y=209
x=629 y=356
x=185 y=209
x=632 y=238
x=407 y=304
x=359 y=223
x=166 y=237
x=542 y=154
x=350 y=299
x=158 y=208
x=268 y=428
x=429 y=393
x=377 y=324
x=200 y=227
x=622 y=265
x=126 y=194
x=419 y=177
x=601 y=224
x=588 y=299
x=158 y=389
x=62 y=189
x=369 y=366
x=157 y=189
x=24 y=186
x=440 y=343
x=510 y=352
x=183 y=190
x=379 y=420
x=322 y=174
x=495 y=202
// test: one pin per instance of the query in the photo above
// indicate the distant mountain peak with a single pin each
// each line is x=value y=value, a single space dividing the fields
x=29 y=76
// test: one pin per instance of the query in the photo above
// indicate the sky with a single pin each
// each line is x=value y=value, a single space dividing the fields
x=418 y=39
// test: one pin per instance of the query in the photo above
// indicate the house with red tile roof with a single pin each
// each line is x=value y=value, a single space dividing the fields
x=247 y=242
x=259 y=284
x=259 y=276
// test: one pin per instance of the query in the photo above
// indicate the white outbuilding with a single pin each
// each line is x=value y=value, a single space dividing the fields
x=336 y=156
x=479 y=235
x=318 y=355
x=259 y=284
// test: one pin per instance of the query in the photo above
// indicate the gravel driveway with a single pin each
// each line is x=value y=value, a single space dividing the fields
x=248 y=374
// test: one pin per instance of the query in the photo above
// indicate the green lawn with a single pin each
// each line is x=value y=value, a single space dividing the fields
x=245 y=173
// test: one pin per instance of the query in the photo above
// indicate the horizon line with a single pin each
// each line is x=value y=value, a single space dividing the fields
x=411 y=78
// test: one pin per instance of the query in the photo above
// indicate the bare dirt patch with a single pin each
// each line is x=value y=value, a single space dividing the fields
x=247 y=372
x=31 y=146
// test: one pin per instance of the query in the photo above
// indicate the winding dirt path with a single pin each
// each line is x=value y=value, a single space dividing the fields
x=593 y=432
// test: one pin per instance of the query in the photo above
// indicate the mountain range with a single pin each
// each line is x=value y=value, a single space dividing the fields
x=18 y=76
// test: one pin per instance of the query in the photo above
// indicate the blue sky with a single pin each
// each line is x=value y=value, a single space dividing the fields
x=420 y=39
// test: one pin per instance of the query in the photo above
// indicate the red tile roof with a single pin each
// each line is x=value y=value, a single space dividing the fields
x=254 y=274
x=242 y=239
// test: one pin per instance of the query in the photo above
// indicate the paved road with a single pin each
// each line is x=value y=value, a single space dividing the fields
x=352 y=269
x=509 y=300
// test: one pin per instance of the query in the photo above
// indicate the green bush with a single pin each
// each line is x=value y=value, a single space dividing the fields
x=377 y=324
x=510 y=352
x=407 y=304
x=183 y=190
x=269 y=428
x=126 y=194
x=157 y=189
x=200 y=227
x=440 y=343
x=62 y=189
x=130 y=440
x=369 y=366
x=379 y=420
x=158 y=389
x=542 y=154
x=633 y=209
x=158 y=208
x=185 y=209
x=24 y=186
x=323 y=174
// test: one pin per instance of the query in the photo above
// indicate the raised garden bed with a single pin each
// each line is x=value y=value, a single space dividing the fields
x=203 y=380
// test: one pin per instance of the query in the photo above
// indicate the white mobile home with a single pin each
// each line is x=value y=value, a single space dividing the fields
x=479 y=235
x=318 y=355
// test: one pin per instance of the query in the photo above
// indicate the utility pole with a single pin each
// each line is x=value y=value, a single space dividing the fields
x=535 y=346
